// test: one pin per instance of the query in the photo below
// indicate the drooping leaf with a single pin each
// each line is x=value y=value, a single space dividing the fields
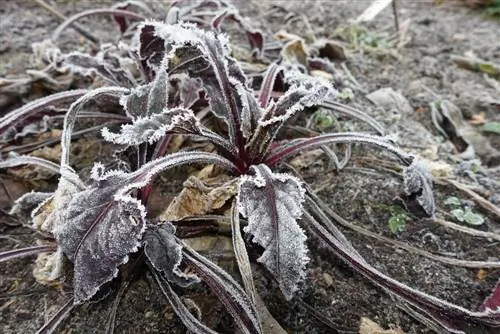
x=165 y=254
x=111 y=93
x=105 y=64
x=418 y=184
x=273 y=203
x=99 y=232
x=241 y=254
x=28 y=251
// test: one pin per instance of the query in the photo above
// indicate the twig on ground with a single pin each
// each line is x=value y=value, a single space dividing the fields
x=467 y=230
x=63 y=18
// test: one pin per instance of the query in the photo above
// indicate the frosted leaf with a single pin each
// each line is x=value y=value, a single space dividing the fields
x=135 y=104
x=99 y=231
x=157 y=99
x=151 y=129
x=189 y=90
x=165 y=254
x=147 y=99
x=418 y=184
x=203 y=55
x=24 y=205
x=296 y=99
x=273 y=203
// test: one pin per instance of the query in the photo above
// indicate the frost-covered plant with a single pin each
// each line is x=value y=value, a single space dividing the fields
x=97 y=225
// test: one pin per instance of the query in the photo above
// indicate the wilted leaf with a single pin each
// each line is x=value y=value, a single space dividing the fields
x=49 y=267
x=329 y=49
x=295 y=52
x=49 y=216
x=272 y=203
x=99 y=232
x=165 y=254
x=418 y=184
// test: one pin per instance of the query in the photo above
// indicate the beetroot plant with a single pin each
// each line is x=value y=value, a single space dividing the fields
x=97 y=226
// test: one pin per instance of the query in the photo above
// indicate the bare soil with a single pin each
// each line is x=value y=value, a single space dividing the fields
x=364 y=196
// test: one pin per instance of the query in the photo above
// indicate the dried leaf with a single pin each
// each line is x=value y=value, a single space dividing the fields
x=272 y=203
x=198 y=199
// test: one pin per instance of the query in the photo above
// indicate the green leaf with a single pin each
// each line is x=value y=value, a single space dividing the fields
x=458 y=214
x=468 y=217
x=472 y=218
x=452 y=201
x=397 y=222
x=493 y=127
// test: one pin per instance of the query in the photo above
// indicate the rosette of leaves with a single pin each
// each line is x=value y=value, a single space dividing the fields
x=98 y=225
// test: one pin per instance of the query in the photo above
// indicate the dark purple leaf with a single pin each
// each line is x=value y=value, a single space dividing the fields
x=203 y=55
x=151 y=49
x=268 y=82
x=165 y=254
x=288 y=149
x=99 y=232
x=273 y=203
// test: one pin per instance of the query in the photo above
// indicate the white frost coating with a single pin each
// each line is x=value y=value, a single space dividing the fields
x=418 y=180
x=273 y=203
x=151 y=129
